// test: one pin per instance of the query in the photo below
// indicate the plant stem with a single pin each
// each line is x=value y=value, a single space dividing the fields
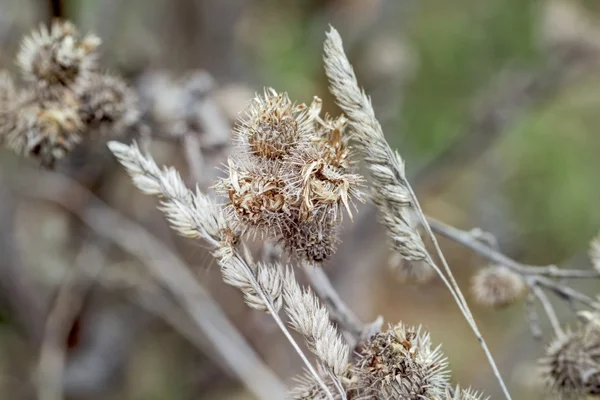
x=460 y=299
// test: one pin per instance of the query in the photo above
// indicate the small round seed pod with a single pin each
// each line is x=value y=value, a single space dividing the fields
x=570 y=367
x=57 y=56
x=108 y=104
x=400 y=364
x=497 y=286
x=272 y=126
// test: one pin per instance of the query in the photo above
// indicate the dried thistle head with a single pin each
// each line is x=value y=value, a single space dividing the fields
x=571 y=365
x=497 y=286
x=257 y=201
x=321 y=184
x=314 y=241
x=53 y=130
x=272 y=126
x=400 y=364
x=107 y=103
x=57 y=56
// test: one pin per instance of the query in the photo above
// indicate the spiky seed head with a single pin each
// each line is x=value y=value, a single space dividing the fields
x=53 y=134
x=272 y=126
x=107 y=103
x=314 y=241
x=497 y=286
x=57 y=56
x=571 y=366
x=321 y=184
x=257 y=201
x=400 y=363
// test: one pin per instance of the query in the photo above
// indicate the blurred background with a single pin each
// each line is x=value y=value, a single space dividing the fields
x=495 y=104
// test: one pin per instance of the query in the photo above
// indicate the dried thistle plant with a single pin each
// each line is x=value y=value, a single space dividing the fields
x=290 y=175
x=65 y=97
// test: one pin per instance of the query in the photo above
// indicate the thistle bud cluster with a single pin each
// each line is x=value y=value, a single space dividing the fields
x=64 y=96
x=291 y=175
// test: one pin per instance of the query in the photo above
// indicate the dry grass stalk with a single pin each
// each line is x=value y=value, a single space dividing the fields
x=392 y=192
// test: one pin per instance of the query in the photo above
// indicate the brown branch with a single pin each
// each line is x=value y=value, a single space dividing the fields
x=466 y=239
x=166 y=267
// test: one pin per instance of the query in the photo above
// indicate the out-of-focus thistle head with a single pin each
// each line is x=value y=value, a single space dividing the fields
x=291 y=176
x=108 y=103
x=52 y=130
x=272 y=126
x=400 y=363
x=571 y=365
x=497 y=286
x=57 y=56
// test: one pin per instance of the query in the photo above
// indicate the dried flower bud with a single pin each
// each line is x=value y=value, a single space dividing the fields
x=107 y=103
x=52 y=133
x=321 y=185
x=257 y=202
x=272 y=126
x=497 y=286
x=314 y=241
x=57 y=56
x=571 y=366
x=400 y=364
